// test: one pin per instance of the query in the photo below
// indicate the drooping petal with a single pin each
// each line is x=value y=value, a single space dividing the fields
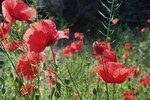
x=63 y=34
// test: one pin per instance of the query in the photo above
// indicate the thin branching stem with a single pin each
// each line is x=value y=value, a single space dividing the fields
x=110 y=18
x=7 y=54
x=55 y=65
x=74 y=83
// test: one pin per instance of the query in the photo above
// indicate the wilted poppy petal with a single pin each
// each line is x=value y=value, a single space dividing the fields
x=63 y=34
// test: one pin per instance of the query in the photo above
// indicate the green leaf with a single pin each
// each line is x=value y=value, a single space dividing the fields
x=57 y=92
x=104 y=25
x=105 y=6
x=118 y=5
x=102 y=33
x=102 y=14
x=2 y=82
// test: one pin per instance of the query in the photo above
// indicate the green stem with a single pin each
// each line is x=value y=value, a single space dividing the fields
x=55 y=65
x=97 y=88
x=106 y=85
x=74 y=83
x=114 y=91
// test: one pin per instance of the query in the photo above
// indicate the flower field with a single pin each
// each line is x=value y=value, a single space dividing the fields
x=39 y=61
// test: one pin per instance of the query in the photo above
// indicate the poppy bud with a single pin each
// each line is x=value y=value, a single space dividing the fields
x=136 y=72
x=98 y=47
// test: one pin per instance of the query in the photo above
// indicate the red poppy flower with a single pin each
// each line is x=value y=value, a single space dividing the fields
x=27 y=65
x=129 y=95
x=73 y=47
x=115 y=20
x=127 y=46
x=54 y=55
x=76 y=46
x=148 y=79
x=50 y=72
x=100 y=47
x=126 y=55
x=4 y=29
x=11 y=46
x=52 y=81
x=78 y=35
x=136 y=72
x=67 y=51
x=42 y=34
x=145 y=81
x=109 y=56
x=113 y=72
x=27 y=88
x=143 y=29
x=148 y=20
x=16 y=10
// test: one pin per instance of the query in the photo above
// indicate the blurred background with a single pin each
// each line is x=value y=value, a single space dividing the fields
x=82 y=15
